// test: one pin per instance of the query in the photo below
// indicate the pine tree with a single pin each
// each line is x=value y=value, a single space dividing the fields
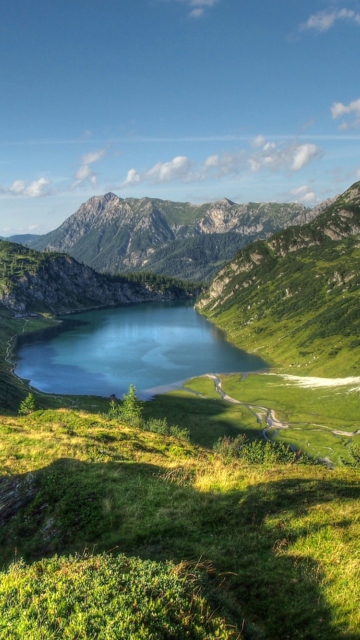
x=28 y=405
x=131 y=408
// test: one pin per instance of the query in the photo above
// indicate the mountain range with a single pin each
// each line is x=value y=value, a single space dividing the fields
x=179 y=239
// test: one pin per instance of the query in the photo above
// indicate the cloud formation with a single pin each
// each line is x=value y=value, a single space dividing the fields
x=263 y=155
x=85 y=172
x=35 y=189
x=324 y=20
x=304 y=195
x=177 y=169
x=340 y=110
x=199 y=7
x=287 y=157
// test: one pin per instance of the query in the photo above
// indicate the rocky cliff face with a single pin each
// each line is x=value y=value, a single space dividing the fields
x=59 y=284
x=111 y=234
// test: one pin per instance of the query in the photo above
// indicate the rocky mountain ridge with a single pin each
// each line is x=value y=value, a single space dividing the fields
x=112 y=235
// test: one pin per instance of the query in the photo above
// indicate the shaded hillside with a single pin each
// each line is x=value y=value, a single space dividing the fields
x=196 y=258
x=297 y=296
x=56 y=283
x=111 y=234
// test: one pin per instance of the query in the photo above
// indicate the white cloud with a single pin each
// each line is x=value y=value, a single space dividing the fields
x=198 y=7
x=133 y=177
x=303 y=154
x=324 y=20
x=220 y=166
x=17 y=187
x=92 y=156
x=196 y=13
x=84 y=172
x=304 y=194
x=280 y=156
x=259 y=141
x=179 y=168
x=35 y=189
x=339 y=110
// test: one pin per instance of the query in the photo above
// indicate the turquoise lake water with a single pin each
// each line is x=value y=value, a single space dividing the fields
x=155 y=346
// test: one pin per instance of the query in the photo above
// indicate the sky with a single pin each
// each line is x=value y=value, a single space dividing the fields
x=186 y=100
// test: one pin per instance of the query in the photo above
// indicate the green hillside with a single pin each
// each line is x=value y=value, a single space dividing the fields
x=296 y=298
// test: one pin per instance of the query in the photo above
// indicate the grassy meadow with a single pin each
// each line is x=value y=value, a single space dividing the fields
x=255 y=551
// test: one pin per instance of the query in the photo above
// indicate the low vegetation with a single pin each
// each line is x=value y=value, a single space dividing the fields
x=130 y=411
x=107 y=597
x=272 y=548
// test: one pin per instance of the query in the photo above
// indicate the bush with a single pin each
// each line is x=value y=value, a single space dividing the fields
x=130 y=411
x=230 y=447
x=354 y=451
x=160 y=425
x=259 y=452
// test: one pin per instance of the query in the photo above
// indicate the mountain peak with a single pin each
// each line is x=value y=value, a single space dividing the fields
x=226 y=202
x=110 y=196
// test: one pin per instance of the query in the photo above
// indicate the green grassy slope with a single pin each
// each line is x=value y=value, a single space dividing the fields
x=295 y=299
x=273 y=550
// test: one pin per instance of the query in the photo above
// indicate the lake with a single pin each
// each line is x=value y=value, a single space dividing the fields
x=155 y=346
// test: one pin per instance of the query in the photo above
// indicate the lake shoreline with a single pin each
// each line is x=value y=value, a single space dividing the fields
x=139 y=344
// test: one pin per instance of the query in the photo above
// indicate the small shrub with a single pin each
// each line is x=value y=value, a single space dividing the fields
x=157 y=425
x=355 y=454
x=178 y=432
x=259 y=452
x=354 y=451
x=160 y=425
x=230 y=447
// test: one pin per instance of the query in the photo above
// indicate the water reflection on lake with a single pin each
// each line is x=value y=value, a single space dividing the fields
x=152 y=345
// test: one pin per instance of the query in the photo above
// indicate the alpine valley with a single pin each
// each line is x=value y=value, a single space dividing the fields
x=227 y=509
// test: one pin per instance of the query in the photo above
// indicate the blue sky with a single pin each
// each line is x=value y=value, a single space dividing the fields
x=189 y=100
